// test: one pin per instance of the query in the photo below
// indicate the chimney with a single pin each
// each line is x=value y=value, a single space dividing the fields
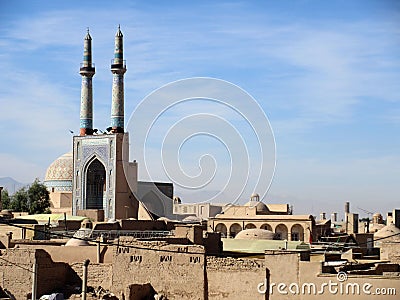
x=347 y=207
x=322 y=216
x=334 y=217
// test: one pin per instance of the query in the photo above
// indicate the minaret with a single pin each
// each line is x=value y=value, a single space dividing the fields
x=118 y=68
x=87 y=71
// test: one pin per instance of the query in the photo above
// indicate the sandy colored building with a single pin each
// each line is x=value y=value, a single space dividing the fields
x=255 y=214
x=189 y=272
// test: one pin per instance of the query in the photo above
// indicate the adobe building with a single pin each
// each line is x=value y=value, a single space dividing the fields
x=189 y=271
x=257 y=215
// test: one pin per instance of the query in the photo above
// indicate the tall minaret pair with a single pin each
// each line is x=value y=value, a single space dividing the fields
x=87 y=71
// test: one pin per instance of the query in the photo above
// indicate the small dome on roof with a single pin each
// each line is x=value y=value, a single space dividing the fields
x=86 y=223
x=77 y=242
x=255 y=234
x=260 y=206
x=192 y=219
x=7 y=214
x=255 y=197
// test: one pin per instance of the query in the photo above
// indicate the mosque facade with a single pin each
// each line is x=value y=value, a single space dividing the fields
x=99 y=180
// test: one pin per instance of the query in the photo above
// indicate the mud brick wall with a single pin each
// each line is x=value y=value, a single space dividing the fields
x=98 y=274
x=231 y=278
x=16 y=267
x=177 y=271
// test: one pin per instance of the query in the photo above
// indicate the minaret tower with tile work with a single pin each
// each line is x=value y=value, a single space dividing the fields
x=118 y=68
x=87 y=71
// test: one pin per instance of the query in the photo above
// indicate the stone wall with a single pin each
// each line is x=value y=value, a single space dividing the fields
x=176 y=271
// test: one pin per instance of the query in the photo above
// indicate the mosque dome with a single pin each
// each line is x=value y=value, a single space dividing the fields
x=255 y=234
x=60 y=173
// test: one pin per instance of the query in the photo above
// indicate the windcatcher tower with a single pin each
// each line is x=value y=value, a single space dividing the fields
x=118 y=68
x=87 y=71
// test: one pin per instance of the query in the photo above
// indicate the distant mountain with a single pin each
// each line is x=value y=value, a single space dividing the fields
x=11 y=185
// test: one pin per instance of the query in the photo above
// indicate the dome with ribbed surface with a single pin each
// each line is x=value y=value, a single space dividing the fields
x=59 y=174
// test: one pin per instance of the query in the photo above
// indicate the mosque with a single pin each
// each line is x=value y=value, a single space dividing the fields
x=97 y=179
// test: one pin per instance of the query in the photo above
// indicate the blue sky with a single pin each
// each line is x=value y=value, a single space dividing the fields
x=326 y=73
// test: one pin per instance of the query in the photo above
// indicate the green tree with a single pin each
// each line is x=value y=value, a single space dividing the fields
x=5 y=199
x=19 y=201
x=38 y=198
x=35 y=199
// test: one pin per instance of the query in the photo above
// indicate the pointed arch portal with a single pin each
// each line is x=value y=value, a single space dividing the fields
x=95 y=185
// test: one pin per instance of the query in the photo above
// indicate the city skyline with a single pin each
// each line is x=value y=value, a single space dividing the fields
x=326 y=76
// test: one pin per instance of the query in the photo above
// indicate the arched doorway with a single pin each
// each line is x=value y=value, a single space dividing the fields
x=221 y=228
x=281 y=232
x=95 y=185
x=235 y=229
x=297 y=232
x=266 y=227
x=250 y=226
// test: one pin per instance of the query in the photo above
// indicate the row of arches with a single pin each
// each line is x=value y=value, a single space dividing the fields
x=281 y=230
